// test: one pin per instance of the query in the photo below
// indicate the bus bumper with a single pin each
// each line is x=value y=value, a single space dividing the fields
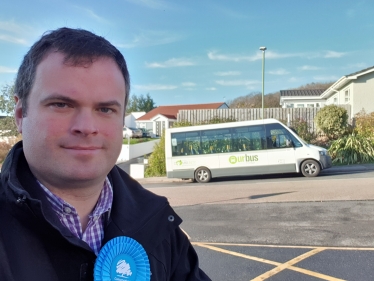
x=326 y=161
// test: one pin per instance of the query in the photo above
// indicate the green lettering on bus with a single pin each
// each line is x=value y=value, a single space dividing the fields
x=233 y=160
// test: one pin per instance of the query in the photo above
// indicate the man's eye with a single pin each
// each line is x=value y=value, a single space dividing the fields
x=59 y=104
x=106 y=110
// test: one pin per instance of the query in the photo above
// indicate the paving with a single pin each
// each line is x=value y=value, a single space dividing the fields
x=352 y=168
x=234 y=244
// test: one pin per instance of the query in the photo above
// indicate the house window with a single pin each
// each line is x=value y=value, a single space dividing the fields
x=346 y=94
x=317 y=104
x=300 y=105
x=310 y=105
x=291 y=105
x=335 y=100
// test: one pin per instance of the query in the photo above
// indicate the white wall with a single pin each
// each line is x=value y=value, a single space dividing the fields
x=305 y=102
x=362 y=94
x=136 y=150
x=130 y=119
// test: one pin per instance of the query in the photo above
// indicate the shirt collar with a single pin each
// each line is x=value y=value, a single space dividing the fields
x=104 y=202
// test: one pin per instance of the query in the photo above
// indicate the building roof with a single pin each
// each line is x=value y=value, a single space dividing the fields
x=301 y=92
x=361 y=71
x=171 y=111
x=343 y=81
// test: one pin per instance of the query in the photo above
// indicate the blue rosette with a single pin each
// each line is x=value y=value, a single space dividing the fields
x=122 y=259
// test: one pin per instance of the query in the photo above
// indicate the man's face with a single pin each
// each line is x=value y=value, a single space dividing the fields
x=72 y=133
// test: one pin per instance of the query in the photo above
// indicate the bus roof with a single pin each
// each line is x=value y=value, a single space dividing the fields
x=222 y=125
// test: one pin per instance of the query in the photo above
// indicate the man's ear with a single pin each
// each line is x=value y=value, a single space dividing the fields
x=18 y=116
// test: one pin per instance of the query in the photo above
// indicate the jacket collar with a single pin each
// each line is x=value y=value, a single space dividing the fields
x=136 y=212
x=139 y=213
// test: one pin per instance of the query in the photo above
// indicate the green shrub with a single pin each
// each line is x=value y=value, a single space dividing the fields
x=352 y=149
x=136 y=141
x=217 y=120
x=156 y=161
x=5 y=146
x=332 y=120
x=303 y=129
x=4 y=149
x=364 y=124
x=182 y=124
x=321 y=141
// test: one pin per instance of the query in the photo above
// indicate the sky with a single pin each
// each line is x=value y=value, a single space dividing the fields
x=205 y=51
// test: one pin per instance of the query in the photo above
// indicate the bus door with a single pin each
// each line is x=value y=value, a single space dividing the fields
x=281 y=153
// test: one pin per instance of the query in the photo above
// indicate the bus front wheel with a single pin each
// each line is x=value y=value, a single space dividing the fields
x=310 y=168
x=202 y=175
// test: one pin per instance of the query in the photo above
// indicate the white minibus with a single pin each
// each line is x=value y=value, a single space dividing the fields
x=240 y=148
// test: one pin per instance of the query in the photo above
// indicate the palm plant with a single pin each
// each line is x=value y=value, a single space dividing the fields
x=352 y=149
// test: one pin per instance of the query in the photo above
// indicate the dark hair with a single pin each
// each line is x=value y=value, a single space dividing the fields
x=80 y=47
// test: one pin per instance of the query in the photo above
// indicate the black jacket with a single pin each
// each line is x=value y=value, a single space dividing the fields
x=35 y=246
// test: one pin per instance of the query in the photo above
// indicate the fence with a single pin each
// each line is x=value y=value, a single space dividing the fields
x=201 y=116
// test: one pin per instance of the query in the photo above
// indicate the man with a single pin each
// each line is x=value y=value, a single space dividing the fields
x=61 y=196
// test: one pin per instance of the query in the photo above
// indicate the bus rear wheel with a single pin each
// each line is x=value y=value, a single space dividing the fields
x=310 y=168
x=202 y=175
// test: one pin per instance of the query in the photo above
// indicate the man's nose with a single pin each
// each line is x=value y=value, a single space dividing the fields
x=84 y=122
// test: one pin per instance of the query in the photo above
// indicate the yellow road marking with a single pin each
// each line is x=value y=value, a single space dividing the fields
x=236 y=254
x=283 y=246
x=189 y=237
x=289 y=265
x=279 y=266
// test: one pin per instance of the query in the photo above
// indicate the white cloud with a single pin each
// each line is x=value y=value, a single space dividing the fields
x=211 y=89
x=174 y=62
x=333 y=54
x=279 y=72
x=246 y=83
x=359 y=65
x=293 y=79
x=155 y=87
x=15 y=33
x=91 y=14
x=152 y=4
x=12 y=39
x=227 y=73
x=151 y=38
x=4 y=69
x=188 y=84
x=309 y=67
x=213 y=55
x=326 y=78
x=227 y=12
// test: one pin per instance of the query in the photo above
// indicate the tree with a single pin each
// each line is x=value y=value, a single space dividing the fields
x=254 y=100
x=140 y=103
x=364 y=124
x=272 y=100
x=157 y=162
x=313 y=86
x=7 y=104
x=332 y=120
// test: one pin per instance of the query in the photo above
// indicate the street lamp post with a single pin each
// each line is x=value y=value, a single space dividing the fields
x=263 y=49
